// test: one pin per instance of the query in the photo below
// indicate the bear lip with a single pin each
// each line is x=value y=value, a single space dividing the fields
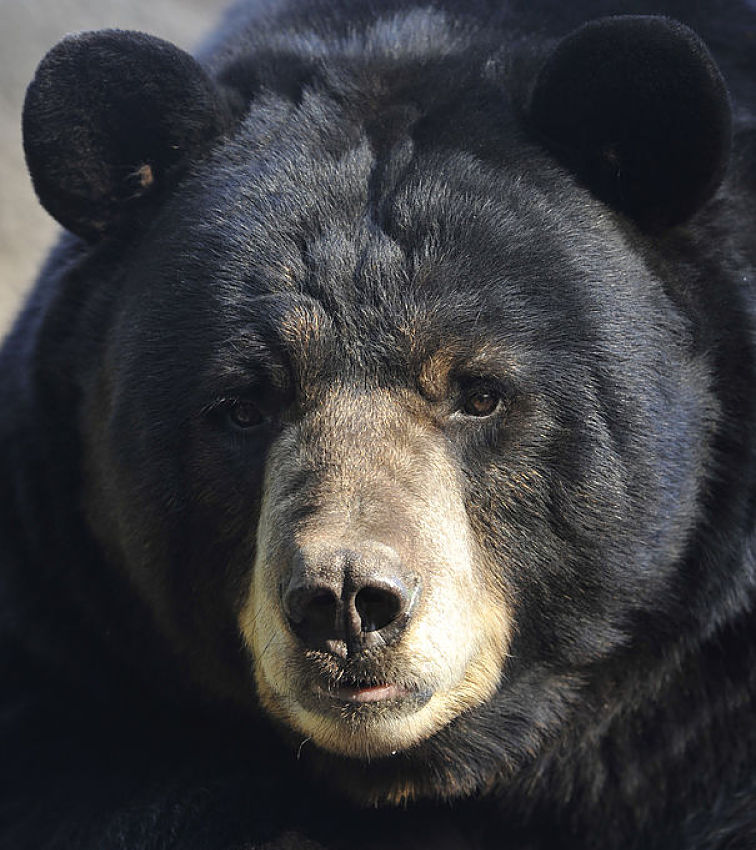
x=370 y=693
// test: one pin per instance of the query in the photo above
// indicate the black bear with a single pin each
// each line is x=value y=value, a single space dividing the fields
x=377 y=445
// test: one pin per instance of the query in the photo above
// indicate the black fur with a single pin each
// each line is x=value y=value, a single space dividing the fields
x=389 y=165
x=661 y=170
x=109 y=118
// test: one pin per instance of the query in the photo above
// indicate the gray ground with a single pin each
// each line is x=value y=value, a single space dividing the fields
x=28 y=28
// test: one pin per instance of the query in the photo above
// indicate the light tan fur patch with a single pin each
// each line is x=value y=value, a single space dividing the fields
x=145 y=175
x=377 y=475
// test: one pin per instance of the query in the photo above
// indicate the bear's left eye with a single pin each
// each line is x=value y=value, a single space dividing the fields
x=244 y=414
x=480 y=401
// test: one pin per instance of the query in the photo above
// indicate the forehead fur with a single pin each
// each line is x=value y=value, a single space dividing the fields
x=398 y=251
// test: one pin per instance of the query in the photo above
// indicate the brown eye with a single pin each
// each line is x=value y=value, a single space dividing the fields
x=244 y=414
x=481 y=401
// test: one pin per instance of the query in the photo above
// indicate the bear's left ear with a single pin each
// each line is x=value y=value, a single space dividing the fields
x=109 y=118
x=638 y=109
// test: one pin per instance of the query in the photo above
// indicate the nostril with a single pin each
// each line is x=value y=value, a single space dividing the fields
x=320 y=612
x=377 y=607
x=311 y=610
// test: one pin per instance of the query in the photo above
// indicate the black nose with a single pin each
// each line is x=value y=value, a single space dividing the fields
x=350 y=599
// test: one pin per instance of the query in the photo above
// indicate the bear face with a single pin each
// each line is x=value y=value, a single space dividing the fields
x=404 y=395
x=396 y=411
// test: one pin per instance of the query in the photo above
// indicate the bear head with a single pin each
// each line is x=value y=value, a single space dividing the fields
x=388 y=413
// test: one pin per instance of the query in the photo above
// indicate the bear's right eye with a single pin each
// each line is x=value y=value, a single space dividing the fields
x=481 y=402
x=244 y=414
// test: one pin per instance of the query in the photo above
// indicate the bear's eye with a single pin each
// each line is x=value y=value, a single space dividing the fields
x=244 y=414
x=480 y=401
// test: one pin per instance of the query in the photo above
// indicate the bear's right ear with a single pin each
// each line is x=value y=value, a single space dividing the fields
x=109 y=119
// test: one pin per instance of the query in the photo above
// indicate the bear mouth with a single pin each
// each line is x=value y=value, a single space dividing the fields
x=364 y=695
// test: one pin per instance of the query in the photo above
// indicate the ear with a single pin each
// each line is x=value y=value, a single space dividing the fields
x=638 y=109
x=109 y=120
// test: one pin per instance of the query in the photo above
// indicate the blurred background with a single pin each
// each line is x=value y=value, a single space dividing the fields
x=28 y=29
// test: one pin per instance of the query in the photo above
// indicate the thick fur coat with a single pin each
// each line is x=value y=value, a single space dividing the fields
x=377 y=446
